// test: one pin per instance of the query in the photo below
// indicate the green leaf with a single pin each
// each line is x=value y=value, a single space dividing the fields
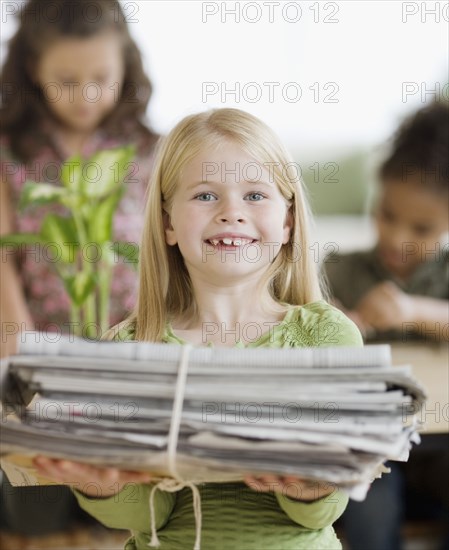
x=72 y=173
x=18 y=240
x=124 y=160
x=40 y=193
x=107 y=253
x=86 y=210
x=128 y=251
x=61 y=232
x=100 y=222
x=80 y=286
x=73 y=201
x=105 y=171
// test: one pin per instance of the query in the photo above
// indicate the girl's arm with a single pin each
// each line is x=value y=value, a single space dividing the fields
x=312 y=504
x=315 y=514
x=14 y=313
x=119 y=499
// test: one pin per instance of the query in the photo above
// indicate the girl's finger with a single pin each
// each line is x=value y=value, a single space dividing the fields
x=293 y=479
x=269 y=477
x=77 y=469
x=273 y=482
x=66 y=470
x=103 y=475
x=136 y=477
x=256 y=484
x=112 y=475
x=87 y=471
x=47 y=468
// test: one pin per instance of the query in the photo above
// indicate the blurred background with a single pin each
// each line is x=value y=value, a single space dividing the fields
x=333 y=79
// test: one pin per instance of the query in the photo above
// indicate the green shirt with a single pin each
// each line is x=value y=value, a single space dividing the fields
x=234 y=516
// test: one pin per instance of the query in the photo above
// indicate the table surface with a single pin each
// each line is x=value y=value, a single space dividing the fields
x=430 y=361
x=430 y=364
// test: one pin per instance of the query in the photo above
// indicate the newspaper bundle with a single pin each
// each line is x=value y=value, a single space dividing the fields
x=330 y=414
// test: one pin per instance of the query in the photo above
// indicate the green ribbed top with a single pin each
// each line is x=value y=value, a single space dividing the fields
x=234 y=517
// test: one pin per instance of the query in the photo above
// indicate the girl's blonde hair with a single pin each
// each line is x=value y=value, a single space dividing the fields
x=165 y=290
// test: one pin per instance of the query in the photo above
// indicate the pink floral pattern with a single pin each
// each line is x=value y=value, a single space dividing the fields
x=44 y=291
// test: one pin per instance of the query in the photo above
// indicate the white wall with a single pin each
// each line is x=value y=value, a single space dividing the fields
x=369 y=52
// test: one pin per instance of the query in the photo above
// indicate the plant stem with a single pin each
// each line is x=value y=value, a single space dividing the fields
x=81 y=230
x=89 y=307
x=75 y=319
x=104 y=278
x=90 y=316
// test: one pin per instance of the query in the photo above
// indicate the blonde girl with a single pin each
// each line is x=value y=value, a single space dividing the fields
x=224 y=245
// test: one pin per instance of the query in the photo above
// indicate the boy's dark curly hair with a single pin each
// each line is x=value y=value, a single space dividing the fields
x=420 y=152
x=23 y=106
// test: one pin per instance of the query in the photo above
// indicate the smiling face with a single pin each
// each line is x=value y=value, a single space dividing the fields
x=410 y=221
x=81 y=79
x=227 y=217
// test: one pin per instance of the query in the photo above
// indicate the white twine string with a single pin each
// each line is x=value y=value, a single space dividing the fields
x=176 y=483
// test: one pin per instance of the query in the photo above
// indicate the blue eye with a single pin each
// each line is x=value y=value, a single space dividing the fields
x=259 y=195
x=201 y=196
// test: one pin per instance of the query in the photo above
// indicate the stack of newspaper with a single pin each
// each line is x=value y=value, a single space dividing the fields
x=332 y=414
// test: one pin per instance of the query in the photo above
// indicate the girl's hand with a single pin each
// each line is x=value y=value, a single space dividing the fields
x=86 y=478
x=291 y=486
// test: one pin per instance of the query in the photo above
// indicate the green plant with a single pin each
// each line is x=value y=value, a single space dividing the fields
x=91 y=201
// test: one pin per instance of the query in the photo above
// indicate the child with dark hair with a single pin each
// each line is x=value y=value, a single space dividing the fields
x=400 y=289
x=72 y=84
x=36 y=90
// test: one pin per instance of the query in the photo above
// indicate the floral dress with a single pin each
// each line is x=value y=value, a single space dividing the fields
x=45 y=295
